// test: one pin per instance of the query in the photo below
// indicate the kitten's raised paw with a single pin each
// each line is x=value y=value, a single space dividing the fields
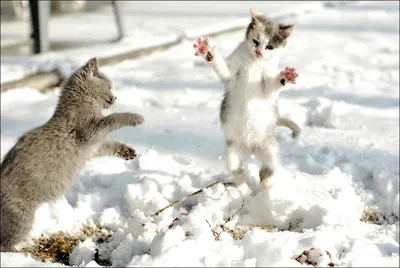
x=203 y=48
x=289 y=75
x=137 y=119
x=127 y=153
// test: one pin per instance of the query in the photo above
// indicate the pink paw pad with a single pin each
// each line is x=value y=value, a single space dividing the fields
x=202 y=47
x=290 y=74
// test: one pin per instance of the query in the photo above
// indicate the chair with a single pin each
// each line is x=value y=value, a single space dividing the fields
x=40 y=13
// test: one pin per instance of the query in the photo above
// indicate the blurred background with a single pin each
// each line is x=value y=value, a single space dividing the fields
x=81 y=23
x=17 y=13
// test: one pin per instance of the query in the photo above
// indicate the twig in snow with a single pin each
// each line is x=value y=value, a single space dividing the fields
x=185 y=198
x=234 y=214
x=222 y=226
x=215 y=199
x=216 y=235
x=129 y=214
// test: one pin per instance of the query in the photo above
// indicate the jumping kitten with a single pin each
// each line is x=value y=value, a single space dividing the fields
x=44 y=163
x=249 y=110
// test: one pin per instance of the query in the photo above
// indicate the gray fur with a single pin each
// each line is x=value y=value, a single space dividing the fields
x=265 y=173
x=224 y=108
x=45 y=161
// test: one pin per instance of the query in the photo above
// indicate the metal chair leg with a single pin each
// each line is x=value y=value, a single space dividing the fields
x=40 y=11
x=118 y=21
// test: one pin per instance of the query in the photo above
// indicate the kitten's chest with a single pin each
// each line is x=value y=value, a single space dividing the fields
x=250 y=77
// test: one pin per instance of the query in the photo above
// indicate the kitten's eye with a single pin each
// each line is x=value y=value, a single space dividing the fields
x=269 y=47
x=256 y=42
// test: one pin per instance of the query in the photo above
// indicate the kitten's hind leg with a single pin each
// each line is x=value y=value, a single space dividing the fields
x=235 y=156
x=268 y=155
x=116 y=148
x=16 y=223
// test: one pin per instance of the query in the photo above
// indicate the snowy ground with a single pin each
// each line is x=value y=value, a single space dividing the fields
x=345 y=162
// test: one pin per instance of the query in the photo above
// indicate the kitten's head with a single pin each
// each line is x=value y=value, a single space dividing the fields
x=266 y=38
x=94 y=85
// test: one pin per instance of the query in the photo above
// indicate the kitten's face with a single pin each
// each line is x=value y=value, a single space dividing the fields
x=265 y=38
x=99 y=87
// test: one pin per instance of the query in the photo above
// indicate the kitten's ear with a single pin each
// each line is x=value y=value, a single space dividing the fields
x=286 y=29
x=255 y=13
x=93 y=65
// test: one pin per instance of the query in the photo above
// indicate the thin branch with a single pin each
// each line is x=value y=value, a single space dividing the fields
x=222 y=226
x=129 y=214
x=185 y=198
x=216 y=235
x=237 y=212
x=215 y=199
x=234 y=214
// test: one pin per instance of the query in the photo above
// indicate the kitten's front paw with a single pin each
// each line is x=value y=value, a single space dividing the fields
x=136 y=119
x=203 y=48
x=289 y=75
x=126 y=152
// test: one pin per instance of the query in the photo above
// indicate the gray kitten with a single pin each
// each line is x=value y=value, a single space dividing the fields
x=249 y=110
x=44 y=163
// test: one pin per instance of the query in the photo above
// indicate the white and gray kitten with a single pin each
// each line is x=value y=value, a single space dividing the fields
x=249 y=110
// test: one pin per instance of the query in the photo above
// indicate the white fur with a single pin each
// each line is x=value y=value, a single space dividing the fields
x=253 y=84
x=253 y=100
x=253 y=93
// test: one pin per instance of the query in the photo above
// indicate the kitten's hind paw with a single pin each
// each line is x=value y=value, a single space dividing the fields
x=245 y=190
x=202 y=47
x=127 y=153
x=289 y=75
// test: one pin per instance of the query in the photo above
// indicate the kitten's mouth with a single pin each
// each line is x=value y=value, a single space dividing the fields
x=110 y=101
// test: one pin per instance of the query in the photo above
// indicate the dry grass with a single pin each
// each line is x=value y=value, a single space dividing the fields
x=239 y=231
x=58 y=247
x=371 y=216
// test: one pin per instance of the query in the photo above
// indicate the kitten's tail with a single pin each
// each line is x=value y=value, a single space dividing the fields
x=286 y=122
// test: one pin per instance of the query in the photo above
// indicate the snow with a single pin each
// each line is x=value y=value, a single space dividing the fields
x=20 y=260
x=345 y=162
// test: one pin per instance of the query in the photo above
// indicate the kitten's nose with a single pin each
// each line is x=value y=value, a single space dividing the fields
x=258 y=52
x=115 y=97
